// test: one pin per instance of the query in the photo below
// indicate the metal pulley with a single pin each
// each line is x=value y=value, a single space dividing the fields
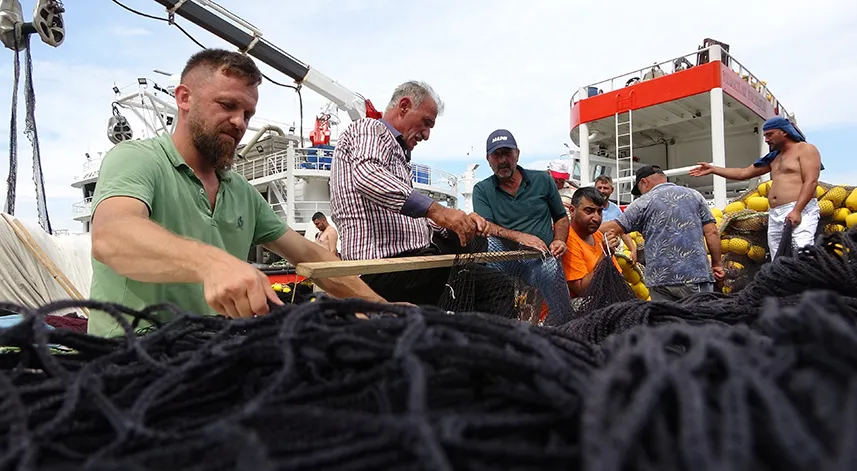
x=10 y=15
x=118 y=128
x=47 y=22
x=47 y=18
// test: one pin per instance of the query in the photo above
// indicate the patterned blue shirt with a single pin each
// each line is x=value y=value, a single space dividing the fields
x=671 y=217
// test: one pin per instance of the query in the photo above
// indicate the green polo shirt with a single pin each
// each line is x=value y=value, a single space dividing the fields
x=153 y=171
x=532 y=210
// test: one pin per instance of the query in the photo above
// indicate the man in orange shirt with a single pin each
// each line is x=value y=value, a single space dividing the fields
x=585 y=244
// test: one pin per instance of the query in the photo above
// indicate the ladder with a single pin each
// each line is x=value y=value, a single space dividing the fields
x=624 y=156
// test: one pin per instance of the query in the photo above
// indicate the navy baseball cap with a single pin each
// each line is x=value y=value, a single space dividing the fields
x=499 y=139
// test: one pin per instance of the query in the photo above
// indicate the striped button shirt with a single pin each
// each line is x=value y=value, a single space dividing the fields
x=372 y=197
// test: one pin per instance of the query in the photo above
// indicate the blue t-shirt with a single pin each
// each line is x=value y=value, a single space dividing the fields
x=611 y=212
x=671 y=217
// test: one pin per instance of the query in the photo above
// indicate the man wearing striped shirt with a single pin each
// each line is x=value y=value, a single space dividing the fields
x=374 y=204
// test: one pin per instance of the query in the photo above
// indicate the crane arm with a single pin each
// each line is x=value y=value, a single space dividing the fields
x=241 y=34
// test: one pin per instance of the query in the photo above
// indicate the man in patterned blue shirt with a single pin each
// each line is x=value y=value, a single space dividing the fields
x=676 y=223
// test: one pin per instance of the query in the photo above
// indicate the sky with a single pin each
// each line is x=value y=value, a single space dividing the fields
x=498 y=64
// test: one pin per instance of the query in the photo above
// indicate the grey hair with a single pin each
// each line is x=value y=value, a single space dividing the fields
x=417 y=92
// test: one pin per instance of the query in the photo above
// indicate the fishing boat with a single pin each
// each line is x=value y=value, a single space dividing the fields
x=703 y=106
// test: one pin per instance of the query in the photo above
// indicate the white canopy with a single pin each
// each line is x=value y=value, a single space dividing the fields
x=37 y=268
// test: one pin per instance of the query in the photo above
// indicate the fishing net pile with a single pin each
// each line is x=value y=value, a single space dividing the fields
x=765 y=379
x=743 y=226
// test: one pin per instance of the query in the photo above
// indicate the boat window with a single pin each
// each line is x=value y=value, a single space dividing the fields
x=599 y=170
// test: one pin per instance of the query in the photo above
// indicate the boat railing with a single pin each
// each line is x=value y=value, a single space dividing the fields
x=88 y=169
x=261 y=167
x=310 y=160
x=435 y=177
x=761 y=86
x=304 y=210
x=313 y=158
x=91 y=164
x=82 y=207
x=673 y=65
x=678 y=64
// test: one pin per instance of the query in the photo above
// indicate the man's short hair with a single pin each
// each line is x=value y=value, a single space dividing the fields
x=588 y=192
x=604 y=179
x=318 y=215
x=231 y=63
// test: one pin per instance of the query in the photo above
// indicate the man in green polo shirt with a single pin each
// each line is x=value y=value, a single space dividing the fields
x=172 y=223
x=524 y=206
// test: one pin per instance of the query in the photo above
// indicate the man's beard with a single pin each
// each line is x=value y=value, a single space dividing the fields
x=505 y=167
x=211 y=146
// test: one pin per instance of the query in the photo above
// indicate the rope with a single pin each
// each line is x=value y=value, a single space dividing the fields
x=30 y=130
x=32 y=134
x=12 y=179
x=763 y=380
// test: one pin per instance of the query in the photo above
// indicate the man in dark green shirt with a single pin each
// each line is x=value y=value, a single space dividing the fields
x=172 y=223
x=524 y=206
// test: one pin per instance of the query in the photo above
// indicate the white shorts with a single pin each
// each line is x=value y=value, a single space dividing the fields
x=802 y=235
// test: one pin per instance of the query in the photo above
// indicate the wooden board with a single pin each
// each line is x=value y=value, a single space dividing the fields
x=389 y=265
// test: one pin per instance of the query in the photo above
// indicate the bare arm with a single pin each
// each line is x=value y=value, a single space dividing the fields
x=745 y=173
x=612 y=226
x=522 y=238
x=712 y=239
x=560 y=229
x=331 y=243
x=810 y=167
x=296 y=249
x=127 y=241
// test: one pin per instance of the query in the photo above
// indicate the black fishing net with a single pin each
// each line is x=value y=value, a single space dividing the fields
x=762 y=380
x=31 y=131
x=829 y=265
x=500 y=276
x=786 y=248
x=608 y=286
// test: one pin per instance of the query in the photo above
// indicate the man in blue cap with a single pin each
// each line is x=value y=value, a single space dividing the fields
x=524 y=207
x=795 y=166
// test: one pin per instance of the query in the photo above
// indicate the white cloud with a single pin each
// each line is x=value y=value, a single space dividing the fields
x=71 y=109
x=128 y=32
x=496 y=64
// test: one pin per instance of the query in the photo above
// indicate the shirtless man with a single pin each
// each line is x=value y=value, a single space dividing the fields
x=795 y=166
x=327 y=235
